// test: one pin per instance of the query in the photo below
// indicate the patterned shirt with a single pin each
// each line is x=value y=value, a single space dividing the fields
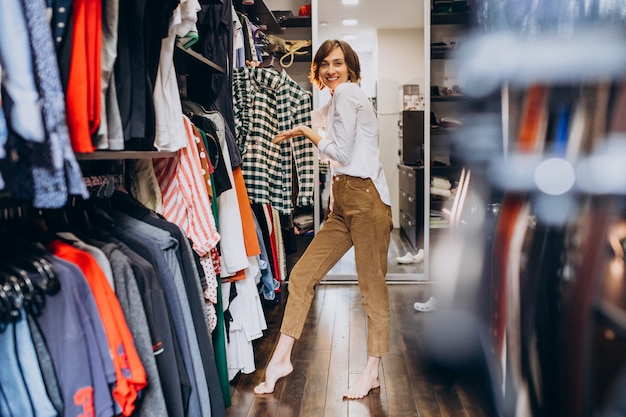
x=185 y=196
x=267 y=102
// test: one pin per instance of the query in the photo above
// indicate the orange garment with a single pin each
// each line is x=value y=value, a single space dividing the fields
x=129 y=371
x=238 y=276
x=250 y=238
x=205 y=162
x=82 y=98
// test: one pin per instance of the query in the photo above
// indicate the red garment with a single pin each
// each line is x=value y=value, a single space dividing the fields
x=82 y=98
x=268 y=211
x=129 y=371
x=215 y=260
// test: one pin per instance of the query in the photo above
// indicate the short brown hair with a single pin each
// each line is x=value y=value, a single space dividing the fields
x=352 y=61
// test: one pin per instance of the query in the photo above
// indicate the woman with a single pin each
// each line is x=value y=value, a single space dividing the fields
x=360 y=215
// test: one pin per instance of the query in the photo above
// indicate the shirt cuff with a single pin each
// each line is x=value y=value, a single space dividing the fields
x=322 y=144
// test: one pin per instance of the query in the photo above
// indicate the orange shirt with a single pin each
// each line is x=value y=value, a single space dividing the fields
x=130 y=373
x=82 y=98
x=247 y=220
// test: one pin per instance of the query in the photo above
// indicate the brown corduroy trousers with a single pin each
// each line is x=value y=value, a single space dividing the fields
x=358 y=217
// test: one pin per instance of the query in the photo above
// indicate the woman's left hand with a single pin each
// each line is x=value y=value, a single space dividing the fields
x=287 y=134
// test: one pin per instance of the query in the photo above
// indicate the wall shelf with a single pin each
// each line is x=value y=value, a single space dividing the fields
x=441 y=54
x=447 y=98
x=191 y=54
x=295 y=22
x=260 y=15
x=455 y=18
x=119 y=155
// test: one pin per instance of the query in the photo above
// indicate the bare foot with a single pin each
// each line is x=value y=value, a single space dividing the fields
x=362 y=386
x=272 y=374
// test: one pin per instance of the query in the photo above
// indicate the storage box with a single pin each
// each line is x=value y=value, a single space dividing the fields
x=411 y=99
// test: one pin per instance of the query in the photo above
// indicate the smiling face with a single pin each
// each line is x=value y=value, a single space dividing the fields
x=335 y=62
x=333 y=69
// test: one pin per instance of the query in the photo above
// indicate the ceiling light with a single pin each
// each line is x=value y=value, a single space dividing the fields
x=349 y=22
x=350 y=1
x=323 y=23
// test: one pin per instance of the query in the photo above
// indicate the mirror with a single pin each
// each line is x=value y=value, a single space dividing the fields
x=389 y=38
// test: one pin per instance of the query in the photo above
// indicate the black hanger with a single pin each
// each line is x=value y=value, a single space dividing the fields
x=5 y=309
x=271 y=62
x=33 y=291
x=13 y=292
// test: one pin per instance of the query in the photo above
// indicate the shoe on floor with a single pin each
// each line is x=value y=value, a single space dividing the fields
x=409 y=258
x=406 y=259
x=430 y=305
x=419 y=256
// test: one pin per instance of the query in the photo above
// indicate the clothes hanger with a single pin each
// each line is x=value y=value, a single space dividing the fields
x=11 y=288
x=271 y=62
x=5 y=309
x=34 y=295
x=26 y=252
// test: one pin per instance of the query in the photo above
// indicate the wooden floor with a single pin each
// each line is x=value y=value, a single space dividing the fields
x=332 y=352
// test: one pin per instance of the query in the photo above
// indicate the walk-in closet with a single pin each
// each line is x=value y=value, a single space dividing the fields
x=150 y=221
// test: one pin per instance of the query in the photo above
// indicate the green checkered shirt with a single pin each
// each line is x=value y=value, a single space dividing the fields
x=265 y=103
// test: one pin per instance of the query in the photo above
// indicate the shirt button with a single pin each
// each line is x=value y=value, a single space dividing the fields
x=61 y=24
x=61 y=9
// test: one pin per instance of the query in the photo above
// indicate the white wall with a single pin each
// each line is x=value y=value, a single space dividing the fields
x=399 y=61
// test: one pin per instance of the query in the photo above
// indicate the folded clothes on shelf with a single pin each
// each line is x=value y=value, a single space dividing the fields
x=441 y=183
x=440 y=192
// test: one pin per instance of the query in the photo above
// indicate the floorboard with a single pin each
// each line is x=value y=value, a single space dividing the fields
x=332 y=352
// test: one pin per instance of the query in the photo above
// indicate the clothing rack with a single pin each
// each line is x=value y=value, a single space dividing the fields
x=101 y=180
x=103 y=186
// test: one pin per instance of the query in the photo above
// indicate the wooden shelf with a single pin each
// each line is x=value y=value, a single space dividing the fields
x=442 y=99
x=190 y=53
x=295 y=22
x=455 y=18
x=439 y=54
x=443 y=131
x=260 y=15
x=119 y=155
x=442 y=54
